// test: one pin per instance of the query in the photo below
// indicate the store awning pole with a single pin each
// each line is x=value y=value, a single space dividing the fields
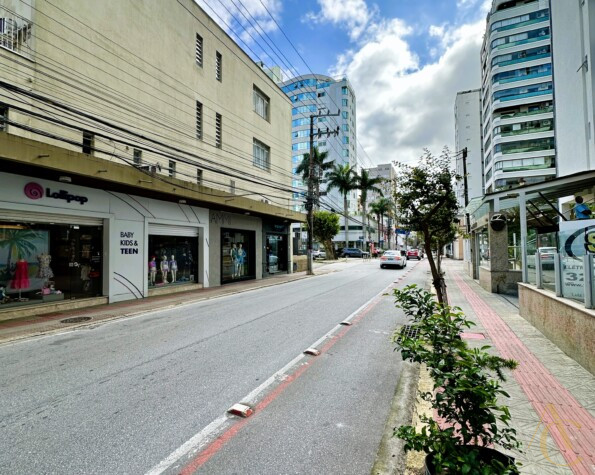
x=523 y=218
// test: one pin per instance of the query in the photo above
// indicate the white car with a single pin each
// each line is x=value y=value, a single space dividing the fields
x=393 y=259
x=318 y=254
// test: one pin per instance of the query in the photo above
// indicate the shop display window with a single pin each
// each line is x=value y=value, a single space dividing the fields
x=49 y=262
x=172 y=260
x=237 y=255
x=276 y=253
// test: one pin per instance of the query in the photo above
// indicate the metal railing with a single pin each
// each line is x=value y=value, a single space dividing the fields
x=15 y=32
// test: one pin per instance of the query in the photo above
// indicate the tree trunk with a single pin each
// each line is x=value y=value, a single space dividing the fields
x=378 y=218
x=365 y=224
x=346 y=221
x=437 y=279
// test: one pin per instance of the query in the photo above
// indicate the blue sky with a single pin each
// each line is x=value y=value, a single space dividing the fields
x=405 y=58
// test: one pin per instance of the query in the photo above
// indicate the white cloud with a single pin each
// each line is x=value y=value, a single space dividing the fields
x=404 y=106
x=353 y=15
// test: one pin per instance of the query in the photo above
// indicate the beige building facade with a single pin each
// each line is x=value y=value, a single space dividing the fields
x=127 y=102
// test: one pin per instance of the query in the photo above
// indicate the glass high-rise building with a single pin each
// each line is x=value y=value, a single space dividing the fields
x=517 y=95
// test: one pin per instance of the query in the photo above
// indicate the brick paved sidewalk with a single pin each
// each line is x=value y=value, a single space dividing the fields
x=552 y=400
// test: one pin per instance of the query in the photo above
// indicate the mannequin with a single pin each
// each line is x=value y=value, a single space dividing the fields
x=173 y=267
x=164 y=269
x=234 y=261
x=152 y=270
x=21 y=278
x=241 y=260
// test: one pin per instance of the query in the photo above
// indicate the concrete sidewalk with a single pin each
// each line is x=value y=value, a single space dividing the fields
x=18 y=329
x=552 y=401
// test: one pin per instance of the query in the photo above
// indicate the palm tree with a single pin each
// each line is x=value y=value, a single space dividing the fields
x=319 y=165
x=380 y=208
x=366 y=184
x=344 y=179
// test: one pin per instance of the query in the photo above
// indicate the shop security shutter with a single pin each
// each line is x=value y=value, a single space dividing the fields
x=168 y=230
x=34 y=217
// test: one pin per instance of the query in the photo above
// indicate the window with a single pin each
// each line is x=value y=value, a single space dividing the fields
x=523 y=74
x=345 y=114
x=345 y=152
x=232 y=187
x=521 y=56
x=301 y=146
x=344 y=90
x=262 y=155
x=3 y=117
x=88 y=142
x=344 y=102
x=218 y=131
x=261 y=103
x=321 y=94
x=301 y=133
x=303 y=109
x=304 y=96
x=525 y=146
x=345 y=127
x=218 y=66
x=199 y=50
x=15 y=32
x=137 y=156
x=199 y=176
x=198 y=120
x=345 y=139
x=523 y=91
x=521 y=38
x=172 y=168
x=298 y=122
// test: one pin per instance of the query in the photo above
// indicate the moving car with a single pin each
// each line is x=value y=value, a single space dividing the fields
x=318 y=254
x=414 y=254
x=354 y=252
x=393 y=259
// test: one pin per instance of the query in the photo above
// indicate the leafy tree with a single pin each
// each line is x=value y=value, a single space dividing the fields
x=344 y=178
x=326 y=227
x=427 y=204
x=366 y=184
x=320 y=167
x=381 y=208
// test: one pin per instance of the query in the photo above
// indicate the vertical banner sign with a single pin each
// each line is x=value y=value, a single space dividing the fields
x=577 y=238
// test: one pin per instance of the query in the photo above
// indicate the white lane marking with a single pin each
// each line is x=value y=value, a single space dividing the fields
x=199 y=440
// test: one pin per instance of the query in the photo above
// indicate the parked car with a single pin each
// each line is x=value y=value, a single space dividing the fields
x=415 y=254
x=318 y=254
x=393 y=259
x=547 y=258
x=354 y=252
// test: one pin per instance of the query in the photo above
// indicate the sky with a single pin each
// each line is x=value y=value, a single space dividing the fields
x=405 y=59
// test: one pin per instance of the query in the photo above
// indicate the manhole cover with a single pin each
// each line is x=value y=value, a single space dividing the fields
x=75 y=320
x=410 y=331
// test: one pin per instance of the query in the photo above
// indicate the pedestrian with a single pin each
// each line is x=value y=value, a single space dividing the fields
x=581 y=210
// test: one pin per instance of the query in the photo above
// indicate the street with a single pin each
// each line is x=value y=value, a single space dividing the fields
x=149 y=394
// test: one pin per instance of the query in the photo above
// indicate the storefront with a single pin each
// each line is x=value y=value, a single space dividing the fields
x=237 y=255
x=43 y=261
x=276 y=241
x=62 y=242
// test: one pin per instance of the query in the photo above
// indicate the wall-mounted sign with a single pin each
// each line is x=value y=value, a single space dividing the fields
x=498 y=222
x=34 y=191
x=128 y=245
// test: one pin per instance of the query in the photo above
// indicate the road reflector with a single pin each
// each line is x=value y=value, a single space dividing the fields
x=240 y=410
x=346 y=323
x=312 y=351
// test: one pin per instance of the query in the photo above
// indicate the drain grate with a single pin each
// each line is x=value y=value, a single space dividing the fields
x=411 y=331
x=75 y=320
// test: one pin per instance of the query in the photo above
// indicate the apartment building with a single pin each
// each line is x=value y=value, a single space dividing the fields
x=310 y=95
x=517 y=95
x=142 y=152
x=468 y=136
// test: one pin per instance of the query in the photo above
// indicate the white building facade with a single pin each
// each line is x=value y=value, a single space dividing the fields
x=573 y=25
x=517 y=95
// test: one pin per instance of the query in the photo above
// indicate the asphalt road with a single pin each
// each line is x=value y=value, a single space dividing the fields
x=150 y=394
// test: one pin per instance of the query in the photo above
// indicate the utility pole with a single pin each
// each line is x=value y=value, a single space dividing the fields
x=310 y=199
x=466 y=190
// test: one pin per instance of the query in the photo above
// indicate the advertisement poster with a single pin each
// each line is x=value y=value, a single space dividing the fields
x=18 y=243
x=577 y=238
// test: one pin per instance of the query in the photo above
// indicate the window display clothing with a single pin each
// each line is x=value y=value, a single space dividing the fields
x=173 y=267
x=152 y=270
x=21 y=276
x=45 y=271
x=164 y=269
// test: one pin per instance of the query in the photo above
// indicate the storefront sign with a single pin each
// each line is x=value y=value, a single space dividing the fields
x=577 y=237
x=128 y=245
x=34 y=191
